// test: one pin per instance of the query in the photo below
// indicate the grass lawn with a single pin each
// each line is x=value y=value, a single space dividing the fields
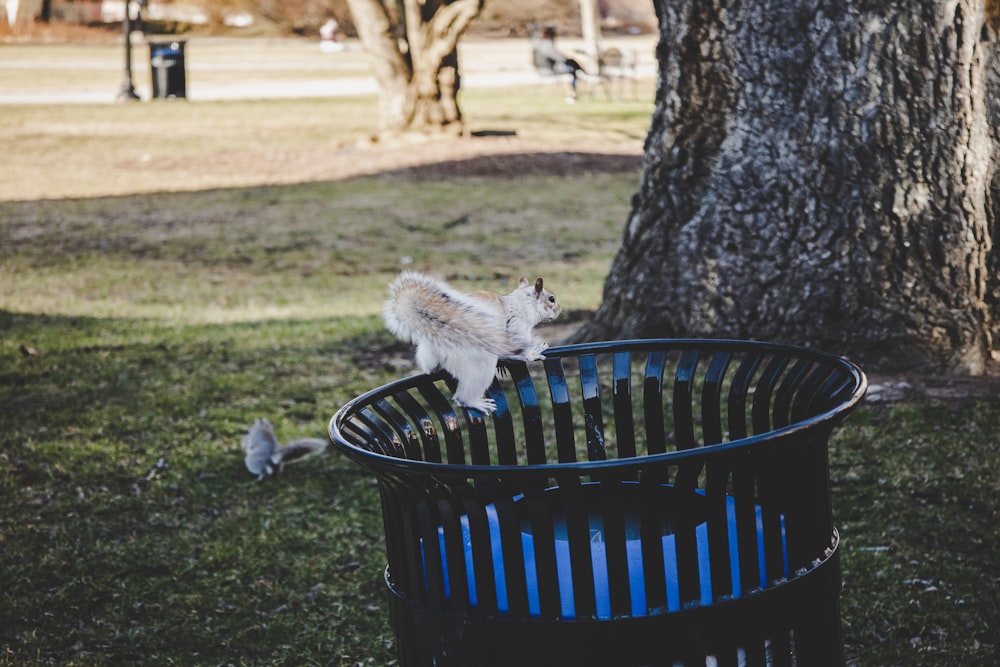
x=144 y=325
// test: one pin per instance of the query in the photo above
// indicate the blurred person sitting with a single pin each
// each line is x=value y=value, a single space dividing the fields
x=548 y=59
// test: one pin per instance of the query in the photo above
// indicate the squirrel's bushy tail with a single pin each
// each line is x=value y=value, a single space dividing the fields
x=264 y=456
x=421 y=308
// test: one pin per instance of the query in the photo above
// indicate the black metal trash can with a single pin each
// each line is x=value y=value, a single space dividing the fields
x=667 y=503
x=166 y=59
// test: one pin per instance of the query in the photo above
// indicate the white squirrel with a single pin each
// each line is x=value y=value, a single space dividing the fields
x=466 y=334
x=265 y=455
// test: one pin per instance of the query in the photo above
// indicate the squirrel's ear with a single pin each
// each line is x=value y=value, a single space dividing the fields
x=538 y=286
x=523 y=282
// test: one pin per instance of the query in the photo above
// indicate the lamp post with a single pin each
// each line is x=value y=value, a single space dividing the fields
x=127 y=92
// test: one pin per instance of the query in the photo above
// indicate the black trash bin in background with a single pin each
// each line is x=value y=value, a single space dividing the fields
x=166 y=59
x=652 y=502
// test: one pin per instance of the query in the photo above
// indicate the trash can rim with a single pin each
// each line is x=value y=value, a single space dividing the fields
x=831 y=417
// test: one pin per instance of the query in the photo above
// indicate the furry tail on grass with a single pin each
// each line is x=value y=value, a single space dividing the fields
x=265 y=456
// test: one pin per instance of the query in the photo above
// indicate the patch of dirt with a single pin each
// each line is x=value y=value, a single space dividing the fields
x=497 y=157
x=896 y=388
x=485 y=157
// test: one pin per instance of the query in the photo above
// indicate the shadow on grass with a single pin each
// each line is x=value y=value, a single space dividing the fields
x=523 y=165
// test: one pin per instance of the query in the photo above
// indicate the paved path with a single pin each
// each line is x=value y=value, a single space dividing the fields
x=233 y=68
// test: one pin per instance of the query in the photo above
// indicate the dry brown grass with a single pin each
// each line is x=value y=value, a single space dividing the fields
x=84 y=150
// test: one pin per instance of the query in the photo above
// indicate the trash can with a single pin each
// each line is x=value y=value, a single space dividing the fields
x=166 y=60
x=649 y=502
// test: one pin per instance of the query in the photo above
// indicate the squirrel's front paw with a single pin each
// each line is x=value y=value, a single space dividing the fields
x=535 y=353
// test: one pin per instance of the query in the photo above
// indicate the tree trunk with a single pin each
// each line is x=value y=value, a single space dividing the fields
x=413 y=45
x=820 y=173
x=993 y=100
x=590 y=27
x=23 y=11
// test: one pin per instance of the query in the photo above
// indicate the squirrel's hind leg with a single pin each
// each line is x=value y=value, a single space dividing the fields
x=474 y=373
x=487 y=405
x=427 y=358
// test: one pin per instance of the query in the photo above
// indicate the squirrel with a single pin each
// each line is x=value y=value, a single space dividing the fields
x=466 y=334
x=265 y=456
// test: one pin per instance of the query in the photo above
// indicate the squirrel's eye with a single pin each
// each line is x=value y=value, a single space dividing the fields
x=552 y=298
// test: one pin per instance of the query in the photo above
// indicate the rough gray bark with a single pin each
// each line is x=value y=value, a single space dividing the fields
x=818 y=172
x=993 y=99
x=413 y=45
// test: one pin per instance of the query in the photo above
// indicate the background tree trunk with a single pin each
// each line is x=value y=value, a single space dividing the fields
x=413 y=45
x=821 y=173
